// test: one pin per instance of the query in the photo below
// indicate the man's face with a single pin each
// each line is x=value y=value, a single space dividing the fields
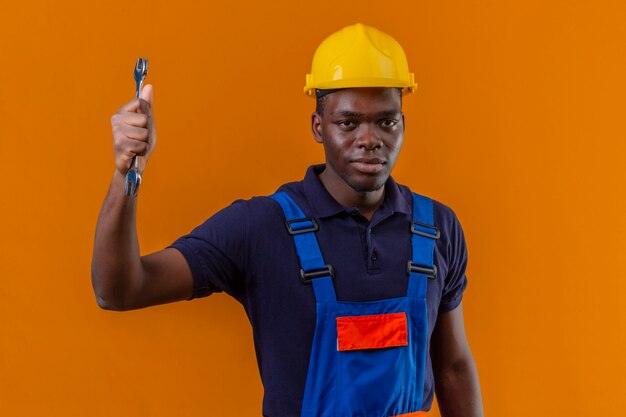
x=362 y=130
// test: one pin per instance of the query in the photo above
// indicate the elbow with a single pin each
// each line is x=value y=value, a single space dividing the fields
x=106 y=298
x=108 y=304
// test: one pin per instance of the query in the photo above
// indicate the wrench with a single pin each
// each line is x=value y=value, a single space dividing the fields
x=133 y=176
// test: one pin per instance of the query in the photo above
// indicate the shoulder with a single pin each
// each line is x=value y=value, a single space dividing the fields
x=259 y=211
x=295 y=190
x=444 y=217
x=246 y=215
x=450 y=255
x=260 y=205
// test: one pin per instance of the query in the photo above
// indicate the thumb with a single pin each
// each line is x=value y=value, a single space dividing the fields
x=146 y=94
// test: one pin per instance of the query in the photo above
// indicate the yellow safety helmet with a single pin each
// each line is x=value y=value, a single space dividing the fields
x=359 y=56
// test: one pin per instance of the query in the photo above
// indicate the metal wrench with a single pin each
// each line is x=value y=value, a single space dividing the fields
x=133 y=176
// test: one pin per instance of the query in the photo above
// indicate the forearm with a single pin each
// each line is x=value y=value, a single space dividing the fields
x=458 y=390
x=116 y=265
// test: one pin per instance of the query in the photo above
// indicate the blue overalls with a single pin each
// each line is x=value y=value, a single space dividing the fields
x=368 y=359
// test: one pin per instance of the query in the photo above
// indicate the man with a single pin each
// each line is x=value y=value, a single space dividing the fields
x=353 y=285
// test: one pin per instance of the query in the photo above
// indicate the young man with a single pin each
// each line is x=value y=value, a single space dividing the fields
x=353 y=284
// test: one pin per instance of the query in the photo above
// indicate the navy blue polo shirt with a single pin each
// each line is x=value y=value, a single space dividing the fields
x=245 y=251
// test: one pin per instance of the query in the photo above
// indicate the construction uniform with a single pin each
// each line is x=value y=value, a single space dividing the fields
x=351 y=344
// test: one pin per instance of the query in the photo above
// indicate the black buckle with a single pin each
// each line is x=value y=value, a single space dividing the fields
x=307 y=276
x=426 y=234
x=312 y=228
x=431 y=273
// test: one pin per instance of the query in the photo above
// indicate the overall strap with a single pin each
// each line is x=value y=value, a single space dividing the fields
x=303 y=229
x=424 y=234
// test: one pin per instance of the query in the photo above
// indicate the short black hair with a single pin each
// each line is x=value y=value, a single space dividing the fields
x=320 y=103
x=320 y=100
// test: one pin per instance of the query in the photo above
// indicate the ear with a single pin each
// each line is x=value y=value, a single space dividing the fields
x=316 y=127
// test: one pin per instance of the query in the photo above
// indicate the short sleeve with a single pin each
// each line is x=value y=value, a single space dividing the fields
x=455 y=281
x=216 y=252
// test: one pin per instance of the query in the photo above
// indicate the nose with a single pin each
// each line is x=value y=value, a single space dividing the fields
x=368 y=138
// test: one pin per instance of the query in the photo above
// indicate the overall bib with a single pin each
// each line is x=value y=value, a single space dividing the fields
x=368 y=359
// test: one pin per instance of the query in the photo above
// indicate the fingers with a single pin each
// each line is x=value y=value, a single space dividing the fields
x=130 y=118
x=125 y=149
x=131 y=106
x=133 y=130
x=146 y=94
x=136 y=105
x=129 y=141
x=145 y=100
x=137 y=133
x=130 y=125
x=142 y=104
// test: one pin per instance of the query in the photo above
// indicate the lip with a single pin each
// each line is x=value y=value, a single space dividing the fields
x=369 y=160
x=368 y=165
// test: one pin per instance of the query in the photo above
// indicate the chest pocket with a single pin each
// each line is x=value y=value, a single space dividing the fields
x=372 y=331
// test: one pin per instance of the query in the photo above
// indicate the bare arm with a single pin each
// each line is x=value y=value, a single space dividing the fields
x=121 y=278
x=456 y=377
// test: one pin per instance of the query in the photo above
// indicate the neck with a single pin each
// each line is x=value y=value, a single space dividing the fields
x=367 y=202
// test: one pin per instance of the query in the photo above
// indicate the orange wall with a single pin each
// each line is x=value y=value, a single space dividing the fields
x=518 y=124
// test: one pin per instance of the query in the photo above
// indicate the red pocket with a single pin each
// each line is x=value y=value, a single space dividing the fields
x=371 y=332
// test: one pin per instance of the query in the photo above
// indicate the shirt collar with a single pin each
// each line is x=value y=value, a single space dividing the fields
x=324 y=205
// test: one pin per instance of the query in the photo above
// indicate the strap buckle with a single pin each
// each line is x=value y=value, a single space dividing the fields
x=308 y=276
x=431 y=273
x=417 y=231
x=304 y=225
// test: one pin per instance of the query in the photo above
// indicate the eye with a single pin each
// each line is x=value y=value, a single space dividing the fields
x=346 y=124
x=388 y=123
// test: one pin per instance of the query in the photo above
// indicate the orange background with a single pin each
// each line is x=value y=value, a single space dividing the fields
x=518 y=125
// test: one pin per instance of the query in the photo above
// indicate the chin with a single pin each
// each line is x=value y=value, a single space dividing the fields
x=367 y=186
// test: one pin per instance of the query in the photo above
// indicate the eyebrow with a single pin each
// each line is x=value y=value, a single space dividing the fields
x=389 y=113
x=384 y=113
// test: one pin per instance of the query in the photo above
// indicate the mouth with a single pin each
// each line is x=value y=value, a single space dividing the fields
x=368 y=165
